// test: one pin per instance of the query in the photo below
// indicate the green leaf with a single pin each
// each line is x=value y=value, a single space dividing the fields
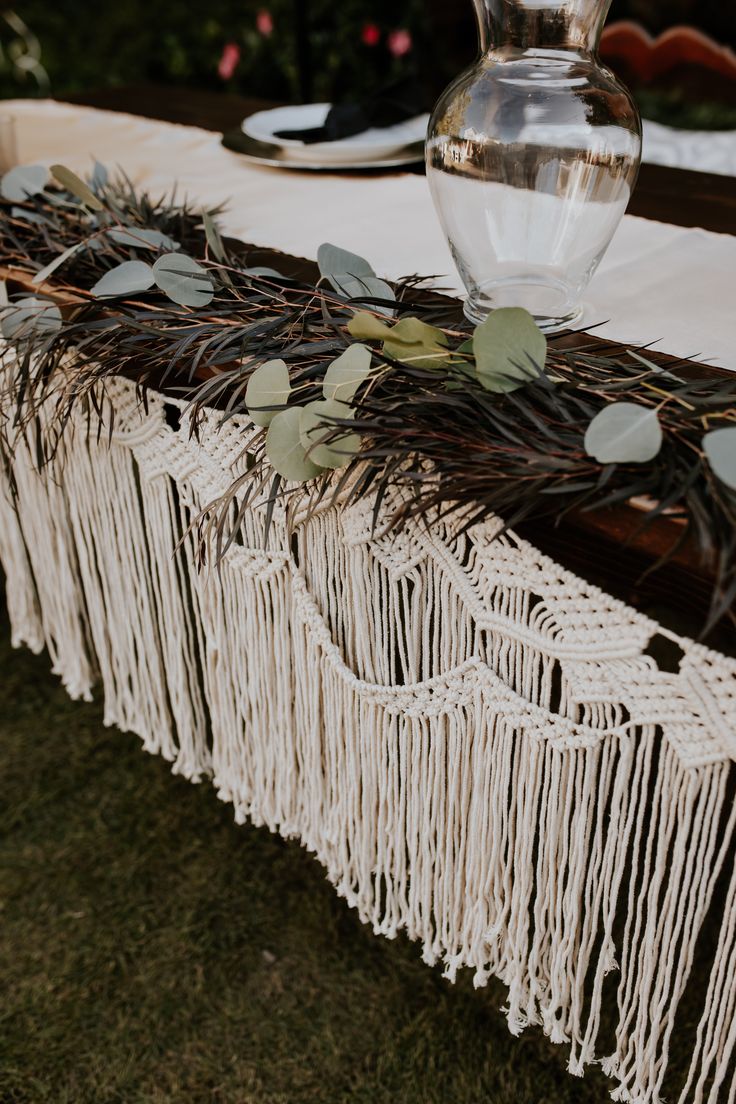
x=261 y=270
x=212 y=234
x=100 y=176
x=365 y=287
x=345 y=375
x=268 y=387
x=183 y=280
x=624 y=433
x=30 y=317
x=508 y=347
x=24 y=181
x=316 y=432
x=410 y=340
x=27 y=216
x=720 y=448
x=137 y=237
x=127 y=278
x=44 y=273
x=71 y=182
x=334 y=261
x=366 y=327
x=285 y=450
x=352 y=276
x=414 y=342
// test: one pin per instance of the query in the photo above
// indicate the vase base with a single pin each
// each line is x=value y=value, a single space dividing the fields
x=549 y=304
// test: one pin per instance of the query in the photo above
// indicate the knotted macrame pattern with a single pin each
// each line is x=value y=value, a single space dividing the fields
x=475 y=743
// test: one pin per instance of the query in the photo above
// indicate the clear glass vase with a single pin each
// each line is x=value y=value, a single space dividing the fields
x=532 y=155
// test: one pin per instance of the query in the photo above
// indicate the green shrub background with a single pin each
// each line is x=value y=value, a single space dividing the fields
x=88 y=45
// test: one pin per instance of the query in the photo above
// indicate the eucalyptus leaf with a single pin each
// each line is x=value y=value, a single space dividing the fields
x=72 y=183
x=364 y=287
x=268 y=387
x=137 y=237
x=183 y=280
x=410 y=340
x=30 y=317
x=462 y=361
x=509 y=348
x=345 y=375
x=624 y=433
x=315 y=434
x=284 y=448
x=720 y=448
x=43 y=275
x=100 y=176
x=351 y=275
x=24 y=181
x=334 y=261
x=366 y=327
x=212 y=235
x=414 y=342
x=261 y=270
x=27 y=216
x=127 y=278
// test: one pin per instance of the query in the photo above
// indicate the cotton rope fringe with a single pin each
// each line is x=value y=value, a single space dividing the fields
x=473 y=741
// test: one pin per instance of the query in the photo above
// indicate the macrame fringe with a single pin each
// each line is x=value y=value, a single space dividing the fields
x=22 y=602
x=471 y=741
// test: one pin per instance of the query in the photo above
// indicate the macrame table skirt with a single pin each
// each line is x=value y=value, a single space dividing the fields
x=473 y=741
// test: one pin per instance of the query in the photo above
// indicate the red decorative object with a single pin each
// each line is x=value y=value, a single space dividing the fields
x=649 y=58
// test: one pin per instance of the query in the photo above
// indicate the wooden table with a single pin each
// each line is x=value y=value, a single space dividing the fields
x=600 y=547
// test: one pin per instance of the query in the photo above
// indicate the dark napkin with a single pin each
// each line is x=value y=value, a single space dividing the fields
x=390 y=105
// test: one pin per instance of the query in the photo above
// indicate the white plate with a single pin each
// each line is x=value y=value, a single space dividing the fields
x=377 y=144
x=266 y=153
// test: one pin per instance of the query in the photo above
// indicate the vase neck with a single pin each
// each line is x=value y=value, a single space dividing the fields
x=544 y=24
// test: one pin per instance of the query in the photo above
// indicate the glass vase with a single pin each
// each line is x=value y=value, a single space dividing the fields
x=532 y=155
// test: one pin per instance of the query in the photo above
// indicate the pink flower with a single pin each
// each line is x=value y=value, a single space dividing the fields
x=228 y=63
x=400 y=43
x=370 y=35
x=264 y=22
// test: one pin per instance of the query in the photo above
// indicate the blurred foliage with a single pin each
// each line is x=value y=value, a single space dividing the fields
x=179 y=41
x=255 y=46
x=675 y=108
x=20 y=52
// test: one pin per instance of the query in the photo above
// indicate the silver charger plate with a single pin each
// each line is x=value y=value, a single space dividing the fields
x=273 y=156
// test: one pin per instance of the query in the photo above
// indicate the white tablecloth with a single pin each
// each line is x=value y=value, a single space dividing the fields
x=659 y=284
x=712 y=151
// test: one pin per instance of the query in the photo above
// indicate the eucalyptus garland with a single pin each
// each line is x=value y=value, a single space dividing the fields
x=357 y=385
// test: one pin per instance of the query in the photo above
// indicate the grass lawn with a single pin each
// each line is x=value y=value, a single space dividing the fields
x=151 y=951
